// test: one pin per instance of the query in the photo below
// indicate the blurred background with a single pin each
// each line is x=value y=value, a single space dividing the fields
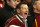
x=2 y=3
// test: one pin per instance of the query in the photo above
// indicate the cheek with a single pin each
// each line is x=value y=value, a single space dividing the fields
x=22 y=12
x=13 y=2
x=38 y=5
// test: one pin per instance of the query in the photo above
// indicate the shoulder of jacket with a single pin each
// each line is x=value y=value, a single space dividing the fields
x=12 y=18
x=9 y=20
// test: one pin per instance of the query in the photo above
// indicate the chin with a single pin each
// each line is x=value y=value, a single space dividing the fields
x=25 y=17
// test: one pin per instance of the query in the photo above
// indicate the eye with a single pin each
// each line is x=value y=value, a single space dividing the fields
x=17 y=1
x=24 y=8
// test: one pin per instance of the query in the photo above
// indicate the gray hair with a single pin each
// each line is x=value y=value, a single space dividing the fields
x=35 y=2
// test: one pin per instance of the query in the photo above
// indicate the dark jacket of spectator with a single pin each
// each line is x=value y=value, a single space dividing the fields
x=6 y=13
x=31 y=18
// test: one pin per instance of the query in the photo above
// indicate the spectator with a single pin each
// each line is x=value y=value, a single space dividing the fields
x=21 y=18
x=37 y=14
x=31 y=16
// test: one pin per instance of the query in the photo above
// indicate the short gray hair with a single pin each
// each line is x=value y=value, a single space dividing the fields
x=35 y=2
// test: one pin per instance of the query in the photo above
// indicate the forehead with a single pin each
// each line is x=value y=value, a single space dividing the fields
x=24 y=5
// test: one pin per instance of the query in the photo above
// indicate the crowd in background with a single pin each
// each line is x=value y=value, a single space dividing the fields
x=8 y=9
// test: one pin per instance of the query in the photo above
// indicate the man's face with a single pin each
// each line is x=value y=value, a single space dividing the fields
x=24 y=11
x=13 y=3
x=38 y=5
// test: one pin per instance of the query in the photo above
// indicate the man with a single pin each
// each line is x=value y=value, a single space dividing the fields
x=8 y=10
x=37 y=14
x=21 y=18
x=31 y=16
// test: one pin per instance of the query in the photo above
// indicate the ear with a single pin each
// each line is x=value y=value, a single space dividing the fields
x=18 y=11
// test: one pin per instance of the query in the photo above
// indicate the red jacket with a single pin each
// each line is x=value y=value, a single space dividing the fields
x=37 y=20
x=15 y=20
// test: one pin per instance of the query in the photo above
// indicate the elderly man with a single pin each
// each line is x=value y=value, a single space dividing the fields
x=37 y=14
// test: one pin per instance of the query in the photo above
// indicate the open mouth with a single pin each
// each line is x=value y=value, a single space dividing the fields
x=25 y=13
